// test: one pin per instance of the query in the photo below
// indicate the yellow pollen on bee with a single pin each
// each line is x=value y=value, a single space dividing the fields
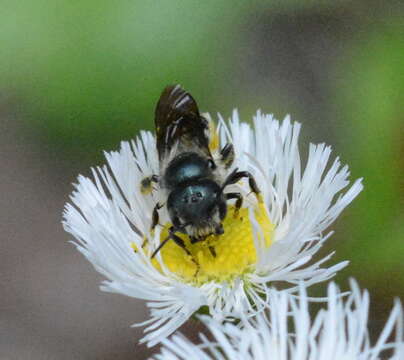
x=235 y=249
x=214 y=136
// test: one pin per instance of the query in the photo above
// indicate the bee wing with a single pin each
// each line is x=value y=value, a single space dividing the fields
x=178 y=123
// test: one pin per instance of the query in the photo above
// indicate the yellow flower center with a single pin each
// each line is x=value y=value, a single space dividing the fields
x=218 y=257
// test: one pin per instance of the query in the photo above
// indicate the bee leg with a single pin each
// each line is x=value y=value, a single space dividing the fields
x=171 y=231
x=194 y=239
x=181 y=244
x=238 y=204
x=146 y=185
x=177 y=239
x=211 y=248
x=236 y=175
x=160 y=246
x=227 y=155
x=155 y=216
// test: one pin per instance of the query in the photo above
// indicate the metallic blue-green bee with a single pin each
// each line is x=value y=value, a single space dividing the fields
x=192 y=179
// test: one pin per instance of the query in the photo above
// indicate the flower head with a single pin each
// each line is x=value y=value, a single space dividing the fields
x=339 y=332
x=272 y=238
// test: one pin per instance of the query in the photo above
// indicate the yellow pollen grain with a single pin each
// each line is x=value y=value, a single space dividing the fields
x=235 y=249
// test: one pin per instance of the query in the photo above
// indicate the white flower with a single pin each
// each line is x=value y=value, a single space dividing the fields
x=272 y=241
x=339 y=332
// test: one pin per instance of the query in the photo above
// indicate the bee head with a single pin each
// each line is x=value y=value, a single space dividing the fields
x=200 y=203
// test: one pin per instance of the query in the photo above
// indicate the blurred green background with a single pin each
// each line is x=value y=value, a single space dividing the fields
x=76 y=78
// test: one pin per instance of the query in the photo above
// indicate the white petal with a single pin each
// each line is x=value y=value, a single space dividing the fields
x=339 y=332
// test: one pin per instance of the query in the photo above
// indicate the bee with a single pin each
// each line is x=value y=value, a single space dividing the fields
x=190 y=176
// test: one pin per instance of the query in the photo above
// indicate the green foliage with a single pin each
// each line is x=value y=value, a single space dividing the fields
x=89 y=72
x=370 y=98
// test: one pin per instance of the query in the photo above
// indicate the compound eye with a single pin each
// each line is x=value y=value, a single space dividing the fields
x=198 y=194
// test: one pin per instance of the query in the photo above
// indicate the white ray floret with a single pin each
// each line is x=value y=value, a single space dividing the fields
x=108 y=214
x=285 y=332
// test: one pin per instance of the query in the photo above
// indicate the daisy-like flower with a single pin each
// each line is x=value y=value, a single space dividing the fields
x=266 y=241
x=339 y=332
